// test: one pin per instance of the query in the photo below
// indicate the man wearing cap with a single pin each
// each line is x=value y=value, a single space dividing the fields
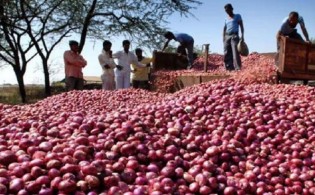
x=74 y=63
x=232 y=59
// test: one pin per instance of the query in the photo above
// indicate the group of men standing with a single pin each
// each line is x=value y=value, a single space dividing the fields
x=117 y=76
x=114 y=76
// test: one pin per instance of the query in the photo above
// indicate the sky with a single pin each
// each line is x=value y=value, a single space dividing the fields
x=261 y=18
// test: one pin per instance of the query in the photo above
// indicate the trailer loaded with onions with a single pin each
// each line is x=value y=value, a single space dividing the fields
x=296 y=61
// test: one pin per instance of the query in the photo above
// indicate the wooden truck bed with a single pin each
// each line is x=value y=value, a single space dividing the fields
x=168 y=61
x=296 y=60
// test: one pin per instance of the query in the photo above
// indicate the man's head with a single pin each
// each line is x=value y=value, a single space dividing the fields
x=228 y=9
x=126 y=45
x=169 y=35
x=74 y=45
x=293 y=19
x=107 y=45
x=138 y=52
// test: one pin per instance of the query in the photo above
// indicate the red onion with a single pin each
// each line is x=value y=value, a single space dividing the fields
x=7 y=157
x=16 y=185
x=3 y=189
x=92 y=181
x=67 y=186
x=45 y=191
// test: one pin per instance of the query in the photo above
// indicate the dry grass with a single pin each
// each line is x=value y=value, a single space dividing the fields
x=11 y=95
x=34 y=93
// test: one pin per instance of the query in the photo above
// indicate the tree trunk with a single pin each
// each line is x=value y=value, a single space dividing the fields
x=20 y=80
x=47 y=80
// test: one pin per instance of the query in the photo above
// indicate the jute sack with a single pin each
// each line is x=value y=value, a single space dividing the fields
x=242 y=48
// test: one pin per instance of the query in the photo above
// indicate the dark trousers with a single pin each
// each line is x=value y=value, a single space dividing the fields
x=140 y=84
x=232 y=59
x=73 y=83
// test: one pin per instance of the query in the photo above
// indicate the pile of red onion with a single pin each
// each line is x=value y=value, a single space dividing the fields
x=227 y=136
x=256 y=68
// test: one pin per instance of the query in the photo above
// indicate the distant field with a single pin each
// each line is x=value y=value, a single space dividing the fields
x=10 y=94
x=34 y=93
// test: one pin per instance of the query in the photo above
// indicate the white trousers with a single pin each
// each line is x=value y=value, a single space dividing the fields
x=122 y=79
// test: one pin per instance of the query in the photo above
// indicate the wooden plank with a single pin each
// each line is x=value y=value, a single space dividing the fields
x=186 y=81
x=295 y=56
x=296 y=60
x=208 y=78
x=297 y=76
x=190 y=80
x=281 y=57
x=311 y=59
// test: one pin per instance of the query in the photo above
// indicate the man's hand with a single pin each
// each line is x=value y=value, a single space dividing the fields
x=106 y=66
x=110 y=54
x=119 y=67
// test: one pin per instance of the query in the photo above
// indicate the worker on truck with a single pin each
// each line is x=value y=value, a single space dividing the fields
x=288 y=29
x=186 y=41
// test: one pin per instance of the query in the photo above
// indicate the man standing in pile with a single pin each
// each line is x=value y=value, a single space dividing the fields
x=140 y=75
x=123 y=69
x=107 y=63
x=232 y=59
x=74 y=63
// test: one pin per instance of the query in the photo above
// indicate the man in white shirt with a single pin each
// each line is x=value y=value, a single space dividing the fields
x=107 y=63
x=123 y=69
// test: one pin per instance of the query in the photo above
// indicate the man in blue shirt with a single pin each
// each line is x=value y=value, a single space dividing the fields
x=288 y=27
x=185 y=40
x=232 y=59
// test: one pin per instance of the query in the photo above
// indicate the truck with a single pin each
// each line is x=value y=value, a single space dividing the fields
x=296 y=61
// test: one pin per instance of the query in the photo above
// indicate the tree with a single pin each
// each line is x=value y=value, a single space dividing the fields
x=53 y=23
x=43 y=24
x=30 y=28
x=141 y=21
x=14 y=49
